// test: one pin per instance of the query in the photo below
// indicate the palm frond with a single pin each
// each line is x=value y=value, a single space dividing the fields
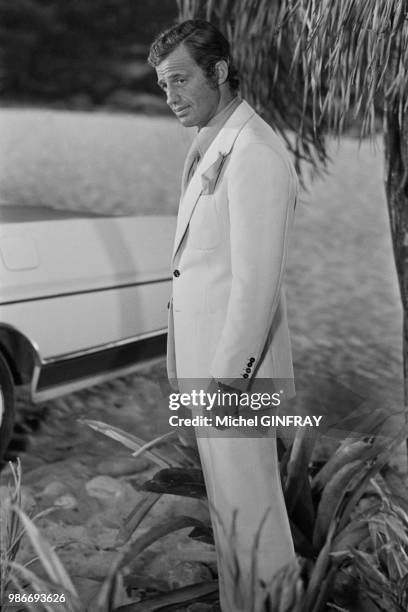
x=308 y=67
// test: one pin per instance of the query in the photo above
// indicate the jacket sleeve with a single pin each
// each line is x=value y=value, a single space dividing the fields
x=262 y=190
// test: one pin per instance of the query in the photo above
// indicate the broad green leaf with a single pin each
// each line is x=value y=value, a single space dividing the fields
x=202 y=534
x=351 y=536
x=110 y=587
x=332 y=497
x=361 y=484
x=188 y=482
x=188 y=453
x=158 y=531
x=303 y=545
x=146 y=582
x=184 y=595
x=344 y=454
x=135 y=517
x=397 y=486
x=319 y=571
x=287 y=590
x=296 y=484
x=324 y=591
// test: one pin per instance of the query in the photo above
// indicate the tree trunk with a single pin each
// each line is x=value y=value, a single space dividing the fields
x=396 y=189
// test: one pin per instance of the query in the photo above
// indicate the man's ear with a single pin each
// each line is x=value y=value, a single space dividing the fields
x=221 y=71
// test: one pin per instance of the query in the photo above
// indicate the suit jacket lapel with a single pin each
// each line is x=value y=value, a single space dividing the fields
x=222 y=144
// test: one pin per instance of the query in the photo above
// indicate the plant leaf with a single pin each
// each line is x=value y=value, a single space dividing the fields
x=38 y=585
x=188 y=482
x=49 y=559
x=159 y=440
x=360 y=486
x=158 y=531
x=319 y=571
x=332 y=497
x=202 y=534
x=184 y=595
x=351 y=536
x=343 y=455
x=135 y=517
x=128 y=440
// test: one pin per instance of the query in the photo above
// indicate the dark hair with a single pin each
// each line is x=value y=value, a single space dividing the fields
x=205 y=43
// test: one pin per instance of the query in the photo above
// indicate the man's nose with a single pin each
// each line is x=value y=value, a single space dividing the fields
x=172 y=95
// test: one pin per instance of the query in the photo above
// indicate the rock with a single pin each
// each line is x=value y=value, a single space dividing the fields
x=65 y=539
x=69 y=472
x=53 y=489
x=188 y=549
x=103 y=537
x=58 y=534
x=171 y=549
x=91 y=564
x=104 y=488
x=106 y=538
x=169 y=505
x=185 y=573
x=66 y=502
x=115 y=509
x=123 y=466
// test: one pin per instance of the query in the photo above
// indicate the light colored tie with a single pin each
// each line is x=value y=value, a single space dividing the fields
x=192 y=160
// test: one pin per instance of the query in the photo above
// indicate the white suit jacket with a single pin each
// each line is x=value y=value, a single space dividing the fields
x=227 y=315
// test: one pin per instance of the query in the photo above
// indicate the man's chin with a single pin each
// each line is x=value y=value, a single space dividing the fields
x=186 y=121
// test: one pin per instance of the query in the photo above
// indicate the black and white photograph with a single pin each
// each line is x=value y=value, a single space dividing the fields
x=203 y=306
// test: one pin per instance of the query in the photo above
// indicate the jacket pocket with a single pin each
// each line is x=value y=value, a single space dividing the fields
x=204 y=232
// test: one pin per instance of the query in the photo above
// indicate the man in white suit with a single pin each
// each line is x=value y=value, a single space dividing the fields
x=227 y=316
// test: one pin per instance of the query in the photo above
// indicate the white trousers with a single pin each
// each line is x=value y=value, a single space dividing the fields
x=242 y=477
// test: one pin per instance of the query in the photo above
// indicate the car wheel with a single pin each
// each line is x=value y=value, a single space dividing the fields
x=6 y=406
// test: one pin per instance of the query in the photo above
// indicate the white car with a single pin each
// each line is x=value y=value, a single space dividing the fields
x=83 y=298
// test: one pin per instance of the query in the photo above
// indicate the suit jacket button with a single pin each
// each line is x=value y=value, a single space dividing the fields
x=249 y=364
x=252 y=360
x=168 y=304
x=245 y=375
x=248 y=370
x=176 y=273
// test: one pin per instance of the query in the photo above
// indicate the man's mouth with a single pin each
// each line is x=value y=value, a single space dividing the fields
x=180 y=111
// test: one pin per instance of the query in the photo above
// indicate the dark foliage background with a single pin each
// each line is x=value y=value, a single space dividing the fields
x=81 y=53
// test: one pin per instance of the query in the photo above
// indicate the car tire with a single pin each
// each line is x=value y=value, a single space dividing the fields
x=7 y=410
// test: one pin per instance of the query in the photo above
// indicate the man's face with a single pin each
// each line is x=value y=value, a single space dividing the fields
x=190 y=96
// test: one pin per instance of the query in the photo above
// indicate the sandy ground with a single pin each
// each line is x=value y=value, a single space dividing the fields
x=345 y=320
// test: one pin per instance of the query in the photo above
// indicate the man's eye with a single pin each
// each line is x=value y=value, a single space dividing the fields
x=180 y=80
